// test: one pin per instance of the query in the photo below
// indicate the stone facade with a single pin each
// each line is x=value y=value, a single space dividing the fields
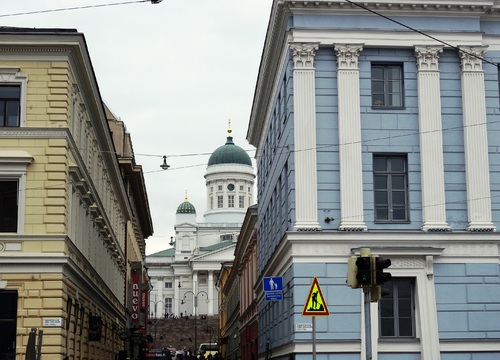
x=70 y=235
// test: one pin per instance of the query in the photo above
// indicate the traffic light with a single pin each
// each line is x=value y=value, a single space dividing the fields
x=378 y=275
x=364 y=273
x=352 y=271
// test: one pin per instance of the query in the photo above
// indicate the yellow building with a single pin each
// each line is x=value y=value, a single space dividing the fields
x=73 y=206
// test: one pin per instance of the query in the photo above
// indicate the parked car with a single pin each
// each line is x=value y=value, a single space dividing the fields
x=159 y=354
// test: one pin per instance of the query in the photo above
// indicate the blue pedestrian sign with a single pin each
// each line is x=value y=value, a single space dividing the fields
x=273 y=283
x=273 y=288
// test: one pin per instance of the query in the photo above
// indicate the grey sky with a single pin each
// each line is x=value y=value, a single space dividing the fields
x=174 y=72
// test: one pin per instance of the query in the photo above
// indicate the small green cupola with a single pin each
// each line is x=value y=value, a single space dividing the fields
x=186 y=207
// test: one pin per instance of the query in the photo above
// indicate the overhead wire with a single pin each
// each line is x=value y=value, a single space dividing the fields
x=421 y=32
x=74 y=8
x=284 y=148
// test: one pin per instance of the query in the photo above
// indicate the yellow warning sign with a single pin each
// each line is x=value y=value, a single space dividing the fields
x=315 y=304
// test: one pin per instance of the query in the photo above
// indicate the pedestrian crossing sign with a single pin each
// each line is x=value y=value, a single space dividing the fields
x=315 y=304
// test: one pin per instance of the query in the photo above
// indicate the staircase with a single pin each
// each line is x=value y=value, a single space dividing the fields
x=179 y=332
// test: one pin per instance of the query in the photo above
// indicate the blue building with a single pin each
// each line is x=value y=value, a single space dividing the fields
x=377 y=125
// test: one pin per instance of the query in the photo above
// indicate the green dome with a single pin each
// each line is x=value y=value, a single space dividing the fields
x=229 y=154
x=186 y=208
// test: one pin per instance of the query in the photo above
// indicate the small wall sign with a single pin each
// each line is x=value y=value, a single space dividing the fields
x=53 y=322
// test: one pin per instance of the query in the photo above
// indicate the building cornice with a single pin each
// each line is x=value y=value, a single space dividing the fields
x=403 y=7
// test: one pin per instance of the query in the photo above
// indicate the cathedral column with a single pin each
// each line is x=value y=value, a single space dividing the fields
x=177 y=297
x=431 y=139
x=195 y=287
x=161 y=299
x=211 y=293
x=304 y=105
x=349 y=123
x=475 y=140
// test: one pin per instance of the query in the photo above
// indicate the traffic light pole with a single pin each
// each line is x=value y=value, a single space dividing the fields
x=366 y=271
x=365 y=252
x=368 y=324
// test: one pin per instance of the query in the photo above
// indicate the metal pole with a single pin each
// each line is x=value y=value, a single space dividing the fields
x=195 y=328
x=368 y=324
x=314 y=337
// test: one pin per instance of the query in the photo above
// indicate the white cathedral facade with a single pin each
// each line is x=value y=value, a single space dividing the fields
x=184 y=277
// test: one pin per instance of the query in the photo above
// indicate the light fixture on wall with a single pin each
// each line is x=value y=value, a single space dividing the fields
x=172 y=241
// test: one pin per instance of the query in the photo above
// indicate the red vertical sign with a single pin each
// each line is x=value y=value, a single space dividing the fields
x=135 y=298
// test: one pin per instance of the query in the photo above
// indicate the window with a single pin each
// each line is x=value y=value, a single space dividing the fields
x=13 y=165
x=241 y=187
x=387 y=85
x=397 y=308
x=9 y=190
x=241 y=202
x=230 y=201
x=219 y=187
x=168 y=285
x=8 y=317
x=390 y=188
x=220 y=201
x=168 y=305
x=10 y=99
x=226 y=237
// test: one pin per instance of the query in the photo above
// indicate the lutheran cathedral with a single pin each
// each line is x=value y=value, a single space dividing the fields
x=184 y=277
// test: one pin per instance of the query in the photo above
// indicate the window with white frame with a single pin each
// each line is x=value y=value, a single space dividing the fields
x=397 y=309
x=220 y=201
x=241 y=202
x=168 y=285
x=230 y=201
x=10 y=108
x=13 y=165
x=9 y=193
x=12 y=97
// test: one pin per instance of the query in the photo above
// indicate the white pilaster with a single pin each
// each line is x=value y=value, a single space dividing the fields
x=195 y=288
x=304 y=105
x=431 y=139
x=475 y=140
x=211 y=293
x=177 y=298
x=161 y=298
x=429 y=331
x=351 y=182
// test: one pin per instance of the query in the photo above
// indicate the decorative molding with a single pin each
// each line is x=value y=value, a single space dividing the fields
x=472 y=57
x=406 y=6
x=348 y=55
x=303 y=54
x=427 y=57
x=429 y=267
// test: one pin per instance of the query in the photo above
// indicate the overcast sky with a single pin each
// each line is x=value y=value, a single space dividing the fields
x=174 y=72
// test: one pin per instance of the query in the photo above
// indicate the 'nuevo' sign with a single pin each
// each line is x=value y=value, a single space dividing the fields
x=135 y=298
